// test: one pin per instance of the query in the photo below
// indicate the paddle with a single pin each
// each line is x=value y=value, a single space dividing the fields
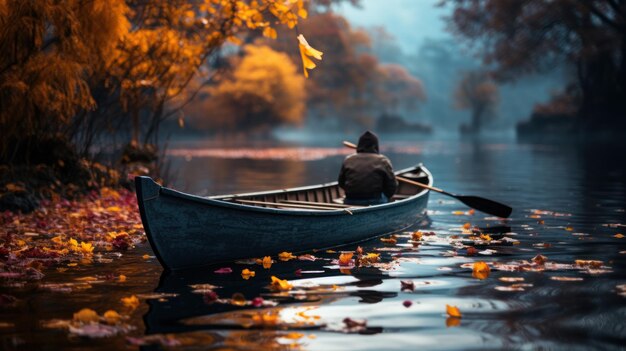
x=479 y=203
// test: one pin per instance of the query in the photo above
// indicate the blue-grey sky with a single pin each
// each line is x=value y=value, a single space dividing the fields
x=409 y=21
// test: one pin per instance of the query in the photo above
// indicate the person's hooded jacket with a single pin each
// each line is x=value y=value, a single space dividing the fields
x=367 y=174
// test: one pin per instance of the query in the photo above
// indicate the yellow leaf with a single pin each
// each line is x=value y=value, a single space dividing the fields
x=113 y=209
x=267 y=262
x=112 y=317
x=485 y=237
x=480 y=270
x=589 y=263
x=305 y=51
x=280 y=284
x=131 y=301
x=303 y=13
x=121 y=278
x=618 y=235
x=416 y=236
x=286 y=256
x=72 y=242
x=238 y=299
x=247 y=274
x=453 y=311
x=146 y=257
x=86 y=315
x=467 y=225
x=270 y=32
x=86 y=248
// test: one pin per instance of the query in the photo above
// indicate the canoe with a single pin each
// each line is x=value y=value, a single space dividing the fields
x=187 y=231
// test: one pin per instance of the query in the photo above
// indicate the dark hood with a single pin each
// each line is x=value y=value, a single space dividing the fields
x=368 y=142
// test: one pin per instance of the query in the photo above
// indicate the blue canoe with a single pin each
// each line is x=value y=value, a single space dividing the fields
x=188 y=231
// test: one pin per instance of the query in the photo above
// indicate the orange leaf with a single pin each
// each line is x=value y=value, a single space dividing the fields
x=112 y=317
x=86 y=315
x=286 y=256
x=280 y=284
x=267 y=262
x=480 y=270
x=345 y=259
x=247 y=274
x=131 y=301
x=453 y=311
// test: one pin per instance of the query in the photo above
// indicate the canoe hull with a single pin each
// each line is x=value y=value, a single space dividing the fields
x=188 y=231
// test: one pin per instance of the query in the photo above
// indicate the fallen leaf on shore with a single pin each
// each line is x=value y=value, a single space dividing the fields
x=132 y=301
x=86 y=315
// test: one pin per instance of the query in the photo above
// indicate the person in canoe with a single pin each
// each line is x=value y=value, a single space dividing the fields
x=367 y=176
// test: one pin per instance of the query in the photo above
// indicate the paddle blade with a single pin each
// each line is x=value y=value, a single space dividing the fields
x=485 y=205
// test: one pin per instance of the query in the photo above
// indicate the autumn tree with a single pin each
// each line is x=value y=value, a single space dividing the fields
x=521 y=37
x=83 y=68
x=478 y=93
x=265 y=90
x=173 y=45
x=50 y=50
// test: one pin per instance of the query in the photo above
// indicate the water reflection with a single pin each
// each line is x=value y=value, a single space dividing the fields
x=567 y=199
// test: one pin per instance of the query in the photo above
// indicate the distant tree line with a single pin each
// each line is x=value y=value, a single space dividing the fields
x=516 y=38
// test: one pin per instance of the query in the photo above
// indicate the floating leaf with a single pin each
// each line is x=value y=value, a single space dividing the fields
x=345 y=258
x=391 y=240
x=131 y=301
x=112 y=317
x=86 y=315
x=238 y=299
x=453 y=311
x=618 y=235
x=267 y=262
x=247 y=274
x=280 y=284
x=416 y=236
x=589 y=263
x=286 y=256
x=480 y=270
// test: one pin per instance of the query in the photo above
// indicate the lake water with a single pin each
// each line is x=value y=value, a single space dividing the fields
x=569 y=203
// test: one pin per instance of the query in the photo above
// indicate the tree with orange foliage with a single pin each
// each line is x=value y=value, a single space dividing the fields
x=75 y=69
x=50 y=49
x=478 y=93
x=265 y=90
